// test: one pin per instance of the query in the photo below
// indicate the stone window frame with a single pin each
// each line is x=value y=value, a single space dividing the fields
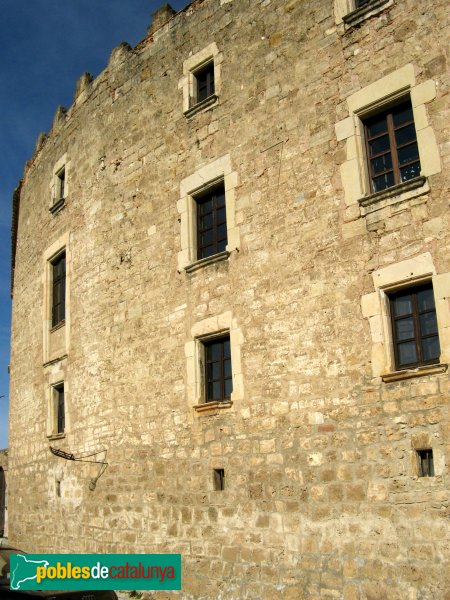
x=201 y=332
x=376 y=97
x=57 y=202
x=375 y=308
x=209 y=223
x=53 y=410
x=62 y=244
x=187 y=83
x=58 y=291
x=56 y=378
x=219 y=341
x=199 y=182
x=347 y=12
x=423 y=440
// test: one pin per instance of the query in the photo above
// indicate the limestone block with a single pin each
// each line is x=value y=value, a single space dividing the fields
x=423 y=93
x=378 y=358
x=420 y=117
x=382 y=88
x=430 y=161
x=344 y=129
x=353 y=229
x=370 y=305
x=402 y=271
x=350 y=181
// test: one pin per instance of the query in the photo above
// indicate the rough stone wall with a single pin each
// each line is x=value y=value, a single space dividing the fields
x=3 y=493
x=321 y=497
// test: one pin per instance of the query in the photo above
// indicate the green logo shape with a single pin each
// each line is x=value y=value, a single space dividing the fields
x=95 y=572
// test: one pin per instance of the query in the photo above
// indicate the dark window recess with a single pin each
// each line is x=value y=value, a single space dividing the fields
x=391 y=144
x=60 y=408
x=205 y=82
x=219 y=479
x=61 y=184
x=218 y=376
x=426 y=463
x=414 y=327
x=58 y=488
x=59 y=289
x=211 y=223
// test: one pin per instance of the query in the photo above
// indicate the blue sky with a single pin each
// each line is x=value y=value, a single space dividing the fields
x=46 y=46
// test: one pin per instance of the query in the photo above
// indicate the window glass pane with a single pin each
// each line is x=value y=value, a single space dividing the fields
x=222 y=246
x=213 y=371
x=408 y=153
x=404 y=329
x=227 y=368
x=221 y=215
x=410 y=171
x=377 y=126
x=430 y=348
x=425 y=300
x=206 y=251
x=202 y=93
x=228 y=384
x=206 y=238
x=407 y=353
x=206 y=221
x=379 y=145
x=205 y=207
x=381 y=164
x=402 y=114
x=383 y=182
x=220 y=199
x=217 y=390
x=210 y=391
x=403 y=305
x=222 y=232
x=214 y=351
x=405 y=135
x=428 y=323
x=226 y=349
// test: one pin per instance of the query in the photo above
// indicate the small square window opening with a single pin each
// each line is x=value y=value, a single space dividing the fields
x=204 y=82
x=414 y=327
x=391 y=146
x=426 y=463
x=219 y=479
x=58 y=289
x=212 y=235
x=218 y=375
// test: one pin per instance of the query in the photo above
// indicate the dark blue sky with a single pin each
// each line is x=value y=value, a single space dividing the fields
x=46 y=46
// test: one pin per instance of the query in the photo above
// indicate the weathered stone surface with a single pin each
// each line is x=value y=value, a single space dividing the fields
x=321 y=497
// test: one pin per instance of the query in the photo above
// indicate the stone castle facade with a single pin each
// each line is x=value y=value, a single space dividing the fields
x=231 y=283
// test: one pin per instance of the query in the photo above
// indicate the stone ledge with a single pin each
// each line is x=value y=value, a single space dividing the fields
x=212 y=408
x=209 y=260
x=55 y=360
x=393 y=195
x=418 y=372
x=364 y=12
x=56 y=436
x=58 y=326
x=57 y=206
x=206 y=103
